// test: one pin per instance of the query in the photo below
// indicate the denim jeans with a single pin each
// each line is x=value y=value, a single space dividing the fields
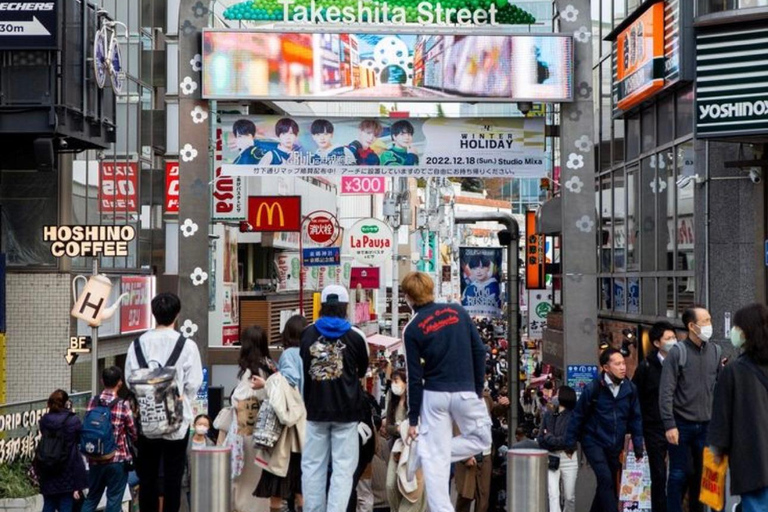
x=690 y=448
x=114 y=478
x=756 y=501
x=329 y=442
x=58 y=502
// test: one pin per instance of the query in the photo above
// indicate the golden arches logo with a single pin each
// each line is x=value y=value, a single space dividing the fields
x=270 y=209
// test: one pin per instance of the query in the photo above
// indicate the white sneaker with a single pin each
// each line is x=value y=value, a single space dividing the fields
x=414 y=463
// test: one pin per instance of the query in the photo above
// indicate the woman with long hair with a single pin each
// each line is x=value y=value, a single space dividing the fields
x=740 y=410
x=255 y=366
x=562 y=466
x=285 y=483
x=63 y=484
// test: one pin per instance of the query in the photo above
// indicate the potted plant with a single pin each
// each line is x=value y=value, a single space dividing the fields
x=18 y=492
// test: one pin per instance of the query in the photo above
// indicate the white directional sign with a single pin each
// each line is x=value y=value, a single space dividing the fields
x=27 y=25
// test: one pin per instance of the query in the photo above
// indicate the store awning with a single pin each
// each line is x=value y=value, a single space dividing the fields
x=384 y=342
x=549 y=220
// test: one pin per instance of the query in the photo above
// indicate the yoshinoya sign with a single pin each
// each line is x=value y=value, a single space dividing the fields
x=731 y=85
x=313 y=66
x=652 y=50
x=29 y=25
x=356 y=148
x=369 y=242
x=640 y=58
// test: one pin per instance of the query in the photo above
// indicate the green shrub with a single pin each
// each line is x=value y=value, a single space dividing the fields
x=15 y=481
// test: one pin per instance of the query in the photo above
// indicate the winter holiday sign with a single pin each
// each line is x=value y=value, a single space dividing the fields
x=369 y=242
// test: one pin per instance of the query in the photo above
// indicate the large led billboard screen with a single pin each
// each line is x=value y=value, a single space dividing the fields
x=265 y=65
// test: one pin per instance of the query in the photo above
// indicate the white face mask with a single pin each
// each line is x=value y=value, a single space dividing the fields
x=705 y=332
x=666 y=345
x=201 y=430
x=398 y=389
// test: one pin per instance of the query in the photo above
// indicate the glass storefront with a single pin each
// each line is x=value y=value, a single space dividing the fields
x=646 y=248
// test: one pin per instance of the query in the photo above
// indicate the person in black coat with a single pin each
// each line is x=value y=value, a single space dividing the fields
x=647 y=379
x=740 y=409
x=563 y=466
x=60 y=489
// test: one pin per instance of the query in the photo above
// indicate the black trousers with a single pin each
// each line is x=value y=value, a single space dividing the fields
x=606 y=465
x=656 y=446
x=173 y=455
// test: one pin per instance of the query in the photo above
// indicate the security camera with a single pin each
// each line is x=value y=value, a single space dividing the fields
x=755 y=175
x=524 y=107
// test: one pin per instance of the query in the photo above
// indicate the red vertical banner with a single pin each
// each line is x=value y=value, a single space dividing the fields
x=119 y=187
x=172 y=187
x=136 y=309
x=534 y=254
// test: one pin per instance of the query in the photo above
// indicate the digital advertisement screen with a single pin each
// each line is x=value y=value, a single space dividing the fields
x=264 y=65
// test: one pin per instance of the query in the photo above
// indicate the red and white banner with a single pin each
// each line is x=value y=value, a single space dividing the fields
x=136 y=309
x=119 y=187
x=172 y=187
x=230 y=334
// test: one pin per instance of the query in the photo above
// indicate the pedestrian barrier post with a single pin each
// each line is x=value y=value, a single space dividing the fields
x=211 y=482
x=527 y=480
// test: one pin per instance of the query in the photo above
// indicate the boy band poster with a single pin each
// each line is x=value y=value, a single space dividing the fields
x=296 y=146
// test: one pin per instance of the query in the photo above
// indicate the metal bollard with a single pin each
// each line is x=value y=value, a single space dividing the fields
x=210 y=479
x=527 y=480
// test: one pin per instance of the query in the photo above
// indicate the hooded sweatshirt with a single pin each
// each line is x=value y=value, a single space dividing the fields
x=335 y=357
x=291 y=367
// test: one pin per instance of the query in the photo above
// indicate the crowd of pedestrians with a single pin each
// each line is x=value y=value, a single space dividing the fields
x=305 y=431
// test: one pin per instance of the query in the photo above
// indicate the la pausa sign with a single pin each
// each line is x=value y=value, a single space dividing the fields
x=390 y=12
x=370 y=242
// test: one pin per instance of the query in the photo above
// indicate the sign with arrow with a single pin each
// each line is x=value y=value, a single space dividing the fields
x=77 y=345
x=29 y=25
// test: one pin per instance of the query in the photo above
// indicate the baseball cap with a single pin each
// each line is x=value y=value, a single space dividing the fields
x=334 y=294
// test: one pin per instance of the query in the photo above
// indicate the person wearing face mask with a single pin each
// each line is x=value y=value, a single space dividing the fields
x=606 y=411
x=647 y=378
x=199 y=439
x=688 y=378
x=740 y=410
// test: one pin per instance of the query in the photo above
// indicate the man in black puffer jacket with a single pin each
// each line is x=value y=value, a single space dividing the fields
x=647 y=378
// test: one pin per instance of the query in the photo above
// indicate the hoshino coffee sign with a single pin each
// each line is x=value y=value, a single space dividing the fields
x=731 y=83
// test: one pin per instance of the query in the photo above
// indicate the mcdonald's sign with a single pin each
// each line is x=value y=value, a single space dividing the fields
x=274 y=213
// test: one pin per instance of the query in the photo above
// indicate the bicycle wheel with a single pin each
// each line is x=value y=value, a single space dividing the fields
x=116 y=73
x=100 y=66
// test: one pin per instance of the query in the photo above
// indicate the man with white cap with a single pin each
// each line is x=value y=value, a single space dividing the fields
x=335 y=357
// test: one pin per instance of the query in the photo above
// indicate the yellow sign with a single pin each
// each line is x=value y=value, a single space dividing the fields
x=270 y=208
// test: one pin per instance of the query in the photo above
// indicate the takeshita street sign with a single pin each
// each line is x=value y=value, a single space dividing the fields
x=377 y=12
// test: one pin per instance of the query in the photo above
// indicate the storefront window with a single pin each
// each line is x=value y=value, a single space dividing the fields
x=605 y=114
x=595 y=16
x=713 y=6
x=633 y=295
x=649 y=188
x=685 y=106
x=618 y=141
x=666 y=210
x=665 y=120
x=633 y=177
x=606 y=17
x=606 y=235
x=619 y=225
x=633 y=137
x=619 y=12
x=620 y=295
x=648 y=129
x=606 y=295
x=685 y=209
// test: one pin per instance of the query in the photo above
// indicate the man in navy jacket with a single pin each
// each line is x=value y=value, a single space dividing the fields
x=607 y=410
x=446 y=372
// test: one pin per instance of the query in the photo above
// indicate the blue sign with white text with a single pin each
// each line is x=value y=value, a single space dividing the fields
x=579 y=376
x=322 y=257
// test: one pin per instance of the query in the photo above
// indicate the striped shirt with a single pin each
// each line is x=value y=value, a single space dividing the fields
x=122 y=426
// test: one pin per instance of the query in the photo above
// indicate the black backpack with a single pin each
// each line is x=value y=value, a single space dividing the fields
x=52 y=452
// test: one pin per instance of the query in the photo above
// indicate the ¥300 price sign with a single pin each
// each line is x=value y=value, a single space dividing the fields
x=364 y=185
